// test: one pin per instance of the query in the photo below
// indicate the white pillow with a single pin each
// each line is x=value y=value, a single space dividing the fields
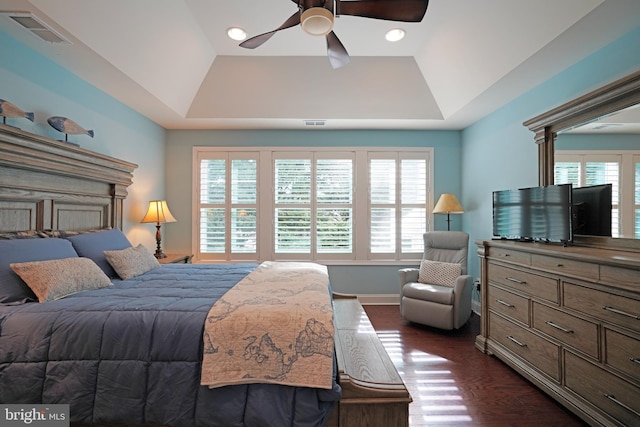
x=131 y=262
x=439 y=273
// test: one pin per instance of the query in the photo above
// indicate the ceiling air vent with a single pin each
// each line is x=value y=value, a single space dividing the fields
x=315 y=122
x=36 y=26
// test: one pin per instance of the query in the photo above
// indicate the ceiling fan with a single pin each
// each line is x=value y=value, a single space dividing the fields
x=316 y=17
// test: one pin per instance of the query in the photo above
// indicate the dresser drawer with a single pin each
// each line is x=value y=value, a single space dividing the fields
x=619 y=276
x=623 y=353
x=613 y=395
x=577 y=333
x=524 y=281
x=509 y=304
x=510 y=256
x=541 y=353
x=566 y=266
x=608 y=307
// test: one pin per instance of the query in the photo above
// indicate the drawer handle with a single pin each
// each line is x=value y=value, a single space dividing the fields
x=518 y=281
x=624 y=313
x=635 y=360
x=560 y=265
x=506 y=304
x=554 y=325
x=516 y=341
x=617 y=402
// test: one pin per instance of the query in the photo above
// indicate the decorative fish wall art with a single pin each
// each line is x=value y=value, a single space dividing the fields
x=68 y=127
x=8 y=109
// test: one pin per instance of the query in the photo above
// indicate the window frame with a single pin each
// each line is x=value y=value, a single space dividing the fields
x=265 y=248
x=627 y=160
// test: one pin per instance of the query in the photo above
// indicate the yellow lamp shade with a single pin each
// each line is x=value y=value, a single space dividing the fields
x=158 y=212
x=447 y=203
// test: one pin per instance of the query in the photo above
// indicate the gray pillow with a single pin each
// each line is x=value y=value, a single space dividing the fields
x=132 y=262
x=12 y=289
x=93 y=245
x=57 y=278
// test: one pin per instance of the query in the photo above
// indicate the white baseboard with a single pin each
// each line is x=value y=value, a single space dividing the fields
x=475 y=307
x=393 y=299
x=379 y=299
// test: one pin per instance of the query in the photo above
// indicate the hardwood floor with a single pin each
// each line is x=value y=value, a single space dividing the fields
x=454 y=384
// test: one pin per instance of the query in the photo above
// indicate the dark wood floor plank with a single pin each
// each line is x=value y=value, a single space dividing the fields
x=454 y=384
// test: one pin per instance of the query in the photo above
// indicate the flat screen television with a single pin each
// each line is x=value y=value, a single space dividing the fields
x=592 y=210
x=536 y=213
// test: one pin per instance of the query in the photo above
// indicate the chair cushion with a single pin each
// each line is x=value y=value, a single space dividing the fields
x=439 y=273
x=427 y=292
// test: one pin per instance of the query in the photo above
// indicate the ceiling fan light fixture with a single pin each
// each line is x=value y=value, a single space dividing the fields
x=395 y=35
x=317 y=21
x=236 y=33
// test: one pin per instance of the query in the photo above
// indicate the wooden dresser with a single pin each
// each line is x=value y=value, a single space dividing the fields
x=567 y=319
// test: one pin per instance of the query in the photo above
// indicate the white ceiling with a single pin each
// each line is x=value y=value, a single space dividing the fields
x=172 y=61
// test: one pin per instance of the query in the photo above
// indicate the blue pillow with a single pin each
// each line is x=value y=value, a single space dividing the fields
x=93 y=245
x=12 y=289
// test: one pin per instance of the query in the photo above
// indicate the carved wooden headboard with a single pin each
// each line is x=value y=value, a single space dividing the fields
x=48 y=184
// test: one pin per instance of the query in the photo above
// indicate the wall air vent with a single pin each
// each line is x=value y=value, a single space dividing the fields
x=315 y=122
x=36 y=26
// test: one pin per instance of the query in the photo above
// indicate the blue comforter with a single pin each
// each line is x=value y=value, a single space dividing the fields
x=131 y=354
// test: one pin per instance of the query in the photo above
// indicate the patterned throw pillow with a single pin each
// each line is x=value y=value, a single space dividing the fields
x=439 y=273
x=131 y=262
x=54 y=279
x=13 y=290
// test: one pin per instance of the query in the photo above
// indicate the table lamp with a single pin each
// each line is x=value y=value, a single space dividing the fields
x=158 y=212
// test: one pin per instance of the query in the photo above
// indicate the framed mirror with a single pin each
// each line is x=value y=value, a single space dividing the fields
x=619 y=96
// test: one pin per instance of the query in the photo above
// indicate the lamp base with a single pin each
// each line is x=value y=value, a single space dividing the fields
x=159 y=254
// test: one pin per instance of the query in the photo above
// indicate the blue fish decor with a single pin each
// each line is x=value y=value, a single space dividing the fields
x=68 y=127
x=7 y=109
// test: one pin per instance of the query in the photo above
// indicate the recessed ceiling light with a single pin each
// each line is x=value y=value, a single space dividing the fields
x=237 y=33
x=395 y=35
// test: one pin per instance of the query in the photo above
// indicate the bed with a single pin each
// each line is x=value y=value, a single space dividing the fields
x=154 y=319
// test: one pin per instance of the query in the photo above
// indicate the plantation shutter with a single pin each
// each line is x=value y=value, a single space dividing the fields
x=334 y=198
x=398 y=184
x=292 y=206
x=228 y=206
x=213 y=181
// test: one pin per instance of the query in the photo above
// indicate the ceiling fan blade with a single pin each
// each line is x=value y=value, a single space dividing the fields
x=389 y=10
x=258 y=40
x=338 y=55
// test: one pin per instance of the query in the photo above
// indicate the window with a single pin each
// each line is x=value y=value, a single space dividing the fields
x=313 y=193
x=348 y=205
x=228 y=195
x=602 y=167
x=398 y=200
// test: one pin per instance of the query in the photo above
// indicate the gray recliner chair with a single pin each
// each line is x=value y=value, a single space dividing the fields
x=439 y=306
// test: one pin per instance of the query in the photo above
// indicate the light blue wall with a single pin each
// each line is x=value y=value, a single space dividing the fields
x=598 y=142
x=37 y=84
x=348 y=279
x=498 y=152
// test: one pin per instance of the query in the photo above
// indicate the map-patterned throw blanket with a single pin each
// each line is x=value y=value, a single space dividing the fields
x=274 y=326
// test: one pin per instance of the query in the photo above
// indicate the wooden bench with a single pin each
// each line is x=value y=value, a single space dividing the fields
x=373 y=394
